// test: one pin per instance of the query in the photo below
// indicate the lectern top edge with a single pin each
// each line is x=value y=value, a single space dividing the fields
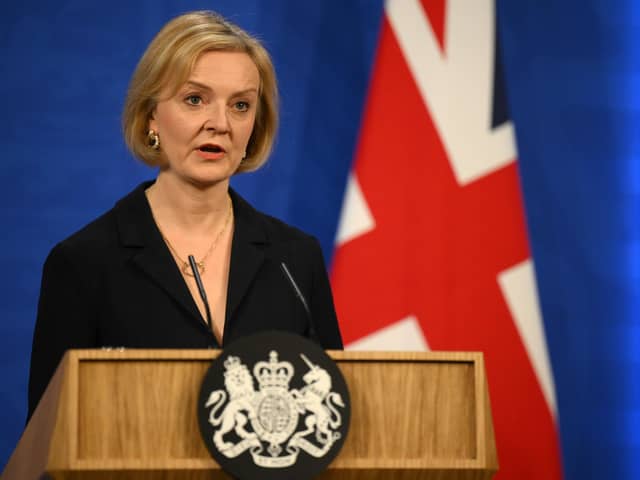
x=210 y=354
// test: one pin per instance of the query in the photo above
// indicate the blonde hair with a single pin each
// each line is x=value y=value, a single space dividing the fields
x=168 y=62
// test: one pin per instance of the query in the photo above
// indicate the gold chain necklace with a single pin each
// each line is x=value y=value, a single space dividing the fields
x=185 y=267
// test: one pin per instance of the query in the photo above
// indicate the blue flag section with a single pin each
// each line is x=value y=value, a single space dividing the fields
x=572 y=91
x=572 y=75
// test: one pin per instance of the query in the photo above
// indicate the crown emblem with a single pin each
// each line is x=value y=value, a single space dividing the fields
x=256 y=413
x=273 y=374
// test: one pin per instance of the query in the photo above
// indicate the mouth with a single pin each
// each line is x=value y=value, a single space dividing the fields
x=211 y=148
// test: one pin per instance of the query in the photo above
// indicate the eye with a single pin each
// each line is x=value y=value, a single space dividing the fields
x=194 y=100
x=241 y=106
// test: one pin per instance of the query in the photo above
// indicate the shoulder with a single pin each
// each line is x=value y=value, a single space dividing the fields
x=94 y=235
x=76 y=263
x=86 y=246
x=95 y=241
x=274 y=230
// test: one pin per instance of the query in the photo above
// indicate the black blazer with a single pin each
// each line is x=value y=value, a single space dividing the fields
x=114 y=283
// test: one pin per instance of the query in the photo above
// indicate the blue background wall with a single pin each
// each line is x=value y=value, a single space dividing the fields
x=571 y=76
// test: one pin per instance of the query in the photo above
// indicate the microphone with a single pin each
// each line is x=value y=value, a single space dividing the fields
x=298 y=293
x=203 y=294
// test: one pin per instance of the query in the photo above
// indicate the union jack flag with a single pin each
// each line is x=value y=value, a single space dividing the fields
x=432 y=249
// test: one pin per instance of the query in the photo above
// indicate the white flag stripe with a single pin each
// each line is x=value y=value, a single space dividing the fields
x=457 y=86
x=405 y=334
x=518 y=287
x=355 y=218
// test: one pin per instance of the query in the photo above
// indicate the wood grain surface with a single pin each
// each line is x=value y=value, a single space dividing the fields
x=132 y=414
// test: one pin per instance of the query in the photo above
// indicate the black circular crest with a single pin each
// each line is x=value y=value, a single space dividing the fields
x=274 y=406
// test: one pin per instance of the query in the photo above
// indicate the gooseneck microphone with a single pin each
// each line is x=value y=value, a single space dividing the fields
x=203 y=294
x=298 y=293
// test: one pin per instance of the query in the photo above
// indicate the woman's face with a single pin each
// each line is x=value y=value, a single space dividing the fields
x=204 y=129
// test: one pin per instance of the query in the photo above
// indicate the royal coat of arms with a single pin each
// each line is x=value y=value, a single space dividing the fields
x=274 y=423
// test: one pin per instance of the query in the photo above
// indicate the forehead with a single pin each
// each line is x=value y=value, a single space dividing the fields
x=226 y=69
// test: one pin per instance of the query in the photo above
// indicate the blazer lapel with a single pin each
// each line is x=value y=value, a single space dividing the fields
x=150 y=254
x=247 y=253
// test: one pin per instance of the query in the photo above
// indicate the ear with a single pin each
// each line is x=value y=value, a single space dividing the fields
x=152 y=124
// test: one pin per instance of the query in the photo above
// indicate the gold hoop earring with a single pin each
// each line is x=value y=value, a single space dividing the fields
x=153 y=140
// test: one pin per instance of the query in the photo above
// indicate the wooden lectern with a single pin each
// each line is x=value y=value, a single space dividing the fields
x=132 y=415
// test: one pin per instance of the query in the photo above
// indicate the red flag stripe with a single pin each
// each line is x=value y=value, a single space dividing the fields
x=436 y=252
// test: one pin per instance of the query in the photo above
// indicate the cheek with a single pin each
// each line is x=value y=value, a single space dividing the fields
x=169 y=123
x=175 y=133
x=246 y=130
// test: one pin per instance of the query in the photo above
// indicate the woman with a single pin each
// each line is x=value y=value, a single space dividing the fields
x=201 y=106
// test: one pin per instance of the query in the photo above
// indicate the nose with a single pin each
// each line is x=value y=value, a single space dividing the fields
x=217 y=118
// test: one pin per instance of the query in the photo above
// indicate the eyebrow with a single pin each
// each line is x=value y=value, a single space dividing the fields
x=208 y=89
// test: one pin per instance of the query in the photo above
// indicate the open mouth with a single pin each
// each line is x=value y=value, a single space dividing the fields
x=211 y=148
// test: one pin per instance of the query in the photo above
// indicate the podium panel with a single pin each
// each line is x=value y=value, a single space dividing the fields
x=131 y=414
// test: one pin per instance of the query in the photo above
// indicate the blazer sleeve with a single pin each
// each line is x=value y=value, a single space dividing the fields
x=322 y=309
x=64 y=321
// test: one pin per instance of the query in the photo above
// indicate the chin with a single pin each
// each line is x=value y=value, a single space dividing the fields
x=209 y=180
x=204 y=183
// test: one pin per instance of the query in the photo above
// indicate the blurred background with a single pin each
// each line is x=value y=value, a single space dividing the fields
x=471 y=169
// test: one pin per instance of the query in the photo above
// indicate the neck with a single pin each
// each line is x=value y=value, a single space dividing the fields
x=188 y=206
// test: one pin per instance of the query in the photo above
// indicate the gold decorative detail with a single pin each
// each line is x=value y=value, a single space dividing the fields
x=185 y=268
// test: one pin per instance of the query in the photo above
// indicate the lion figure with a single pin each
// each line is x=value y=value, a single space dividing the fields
x=239 y=383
